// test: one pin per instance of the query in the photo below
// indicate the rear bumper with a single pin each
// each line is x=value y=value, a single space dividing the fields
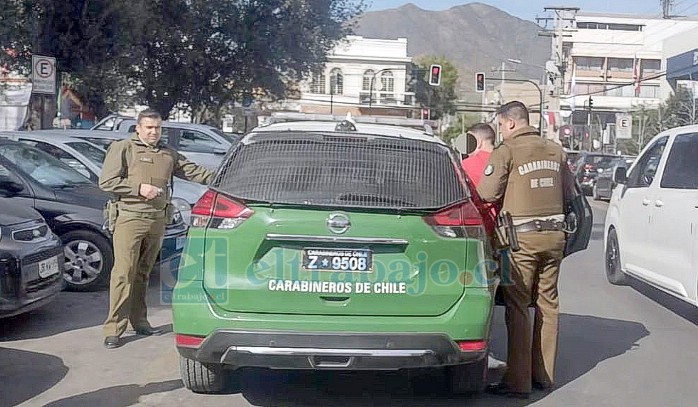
x=323 y=350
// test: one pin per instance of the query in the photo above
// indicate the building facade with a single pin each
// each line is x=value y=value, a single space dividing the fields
x=362 y=76
x=616 y=63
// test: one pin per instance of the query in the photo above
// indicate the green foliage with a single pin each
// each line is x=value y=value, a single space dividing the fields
x=203 y=53
x=680 y=109
x=441 y=99
x=463 y=121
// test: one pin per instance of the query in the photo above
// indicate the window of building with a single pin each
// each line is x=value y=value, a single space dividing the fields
x=388 y=87
x=368 y=77
x=623 y=91
x=336 y=82
x=621 y=64
x=651 y=65
x=589 y=63
x=588 y=88
x=585 y=25
x=317 y=84
x=649 y=91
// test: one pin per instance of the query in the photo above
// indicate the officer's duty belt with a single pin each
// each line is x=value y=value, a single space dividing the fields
x=540 y=226
x=144 y=215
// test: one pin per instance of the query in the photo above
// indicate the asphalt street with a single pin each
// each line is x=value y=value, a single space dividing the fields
x=619 y=346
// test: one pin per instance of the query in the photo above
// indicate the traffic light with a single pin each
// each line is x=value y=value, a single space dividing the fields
x=566 y=131
x=480 y=82
x=435 y=75
x=591 y=102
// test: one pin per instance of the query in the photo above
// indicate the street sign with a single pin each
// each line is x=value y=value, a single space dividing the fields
x=43 y=74
x=624 y=126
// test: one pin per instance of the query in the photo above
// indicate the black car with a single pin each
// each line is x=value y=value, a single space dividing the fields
x=31 y=256
x=603 y=187
x=586 y=168
x=73 y=208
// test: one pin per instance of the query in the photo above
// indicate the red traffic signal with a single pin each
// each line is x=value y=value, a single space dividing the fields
x=566 y=131
x=480 y=82
x=435 y=75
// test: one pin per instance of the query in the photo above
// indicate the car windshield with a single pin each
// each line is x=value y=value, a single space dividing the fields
x=102 y=142
x=42 y=167
x=345 y=171
x=93 y=153
x=231 y=138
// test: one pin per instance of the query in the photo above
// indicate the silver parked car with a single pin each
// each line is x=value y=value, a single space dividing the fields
x=87 y=158
x=205 y=145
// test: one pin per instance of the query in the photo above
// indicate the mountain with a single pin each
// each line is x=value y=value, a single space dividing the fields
x=474 y=37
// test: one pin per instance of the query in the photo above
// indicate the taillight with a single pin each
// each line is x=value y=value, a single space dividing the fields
x=188 y=341
x=461 y=220
x=472 y=346
x=217 y=211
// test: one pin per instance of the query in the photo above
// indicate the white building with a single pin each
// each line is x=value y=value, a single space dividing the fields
x=356 y=69
x=608 y=51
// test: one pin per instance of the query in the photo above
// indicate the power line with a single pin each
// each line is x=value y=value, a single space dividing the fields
x=649 y=78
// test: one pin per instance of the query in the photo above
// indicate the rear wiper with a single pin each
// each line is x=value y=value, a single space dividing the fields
x=362 y=197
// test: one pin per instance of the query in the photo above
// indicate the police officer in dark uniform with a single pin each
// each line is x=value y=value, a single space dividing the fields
x=138 y=171
x=529 y=176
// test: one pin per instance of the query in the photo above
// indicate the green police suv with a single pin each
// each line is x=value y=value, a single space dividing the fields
x=336 y=245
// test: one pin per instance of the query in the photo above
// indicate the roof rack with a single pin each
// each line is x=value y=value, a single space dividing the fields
x=282 y=117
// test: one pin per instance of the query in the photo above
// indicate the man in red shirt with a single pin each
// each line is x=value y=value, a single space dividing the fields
x=474 y=167
x=474 y=164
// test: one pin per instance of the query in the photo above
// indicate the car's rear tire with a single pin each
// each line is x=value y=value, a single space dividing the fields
x=207 y=378
x=89 y=258
x=614 y=273
x=467 y=379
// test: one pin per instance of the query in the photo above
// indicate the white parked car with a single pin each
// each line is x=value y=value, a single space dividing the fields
x=651 y=230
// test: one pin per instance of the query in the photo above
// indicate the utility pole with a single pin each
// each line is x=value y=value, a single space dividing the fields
x=667 y=5
x=563 y=25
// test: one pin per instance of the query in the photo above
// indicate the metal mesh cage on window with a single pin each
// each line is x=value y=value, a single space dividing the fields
x=345 y=171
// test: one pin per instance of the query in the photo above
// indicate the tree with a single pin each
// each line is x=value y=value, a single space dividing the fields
x=440 y=99
x=202 y=53
x=208 y=53
x=88 y=38
x=680 y=109
x=463 y=122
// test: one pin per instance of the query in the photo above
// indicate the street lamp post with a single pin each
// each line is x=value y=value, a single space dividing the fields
x=370 y=89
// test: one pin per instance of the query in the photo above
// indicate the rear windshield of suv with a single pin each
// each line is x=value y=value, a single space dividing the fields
x=342 y=170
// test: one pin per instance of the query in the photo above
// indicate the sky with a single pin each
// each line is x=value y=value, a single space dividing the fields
x=527 y=9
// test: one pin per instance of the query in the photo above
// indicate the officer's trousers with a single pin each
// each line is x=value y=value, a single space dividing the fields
x=137 y=241
x=533 y=278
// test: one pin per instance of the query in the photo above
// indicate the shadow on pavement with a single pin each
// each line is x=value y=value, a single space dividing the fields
x=117 y=396
x=585 y=341
x=68 y=312
x=681 y=308
x=24 y=375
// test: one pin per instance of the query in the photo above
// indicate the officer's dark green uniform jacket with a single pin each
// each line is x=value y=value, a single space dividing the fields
x=130 y=163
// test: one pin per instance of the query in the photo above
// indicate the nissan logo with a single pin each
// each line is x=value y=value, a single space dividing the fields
x=338 y=223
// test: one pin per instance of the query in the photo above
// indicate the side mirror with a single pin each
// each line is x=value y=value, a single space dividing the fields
x=620 y=176
x=10 y=188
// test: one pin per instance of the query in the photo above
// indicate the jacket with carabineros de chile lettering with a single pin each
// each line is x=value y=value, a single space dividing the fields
x=131 y=162
x=529 y=174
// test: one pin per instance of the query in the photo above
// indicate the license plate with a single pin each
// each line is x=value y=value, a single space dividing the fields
x=48 y=267
x=345 y=260
x=180 y=242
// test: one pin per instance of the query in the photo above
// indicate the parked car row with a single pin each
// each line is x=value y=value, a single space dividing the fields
x=71 y=205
